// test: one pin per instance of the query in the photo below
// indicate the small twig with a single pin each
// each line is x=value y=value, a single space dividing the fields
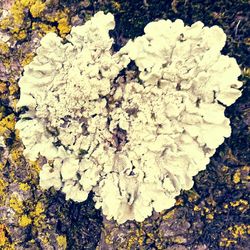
x=236 y=28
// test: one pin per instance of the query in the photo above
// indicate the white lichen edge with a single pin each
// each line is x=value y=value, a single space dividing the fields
x=170 y=119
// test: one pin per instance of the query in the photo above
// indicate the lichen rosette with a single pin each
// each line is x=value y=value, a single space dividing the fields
x=138 y=143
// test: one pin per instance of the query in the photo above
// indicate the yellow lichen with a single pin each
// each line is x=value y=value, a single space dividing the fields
x=210 y=216
x=236 y=177
x=7 y=123
x=179 y=202
x=225 y=242
x=17 y=13
x=16 y=155
x=22 y=34
x=197 y=208
x=6 y=63
x=140 y=234
x=4 y=48
x=131 y=241
x=27 y=59
x=179 y=240
x=108 y=239
x=24 y=186
x=116 y=5
x=3 y=238
x=4 y=24
x=38 y=209
x=38 y=215
x=63 y=26
x=13 y=88
x=206 y=209
x=3 y=87
x=16 y=204
x=238 y=230
x=27 y=3
x=169 y=215
x=224 y=168
x=63 y=23
x=37 y=8
x=35 y=169
x=238 y=203
x=16 y=21
x=45 y=28
x=24 y=221
x=3 y=186
x=192 y=195
x=62 y=241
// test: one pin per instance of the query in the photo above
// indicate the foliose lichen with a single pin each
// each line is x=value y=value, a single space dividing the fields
x=135 y=143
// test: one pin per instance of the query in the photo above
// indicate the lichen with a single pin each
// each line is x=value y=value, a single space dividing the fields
x=62 y=241
x=159 y=120
x=24 y=221
x=131 y=17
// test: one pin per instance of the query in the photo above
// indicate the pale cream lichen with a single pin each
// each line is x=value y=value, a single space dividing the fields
x=136 y=144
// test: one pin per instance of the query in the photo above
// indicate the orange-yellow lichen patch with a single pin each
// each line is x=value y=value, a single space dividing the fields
x=3 y=87
x=179 y=202
x=140 y=236
x=116 y=5
x=45 y=238
x=246 y=70
x=225 y=242
x=45 y=28
x=16 y=154
x=64 y=26
x=24 y=220
x=245 y=178
x=17 y=14
x=1 y=166
x=192 y=195
x=210 y=216
x=224 y=168
x=21 y=35
x=37 y=215
x=27 y=3
x=4 y=48
x=62 y=241
x=37 y=8
x=3 y=186
x=197 y=208
x=24 y=186
x=179 y=240
x=62 y=18
x=3 y=238
x=16 y=204
x=6 y=63
x=15 y=22
x=238 y=230
x=27 y=59
x=38 y=209
x=238 y=203
x=13 y=88
x=236 y=176
x=34 y=171
x=234 y=234
x=7 y=123
x=131 y=242
x=169 y=215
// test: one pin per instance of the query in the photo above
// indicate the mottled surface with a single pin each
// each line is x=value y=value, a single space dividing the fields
x=213 y=215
